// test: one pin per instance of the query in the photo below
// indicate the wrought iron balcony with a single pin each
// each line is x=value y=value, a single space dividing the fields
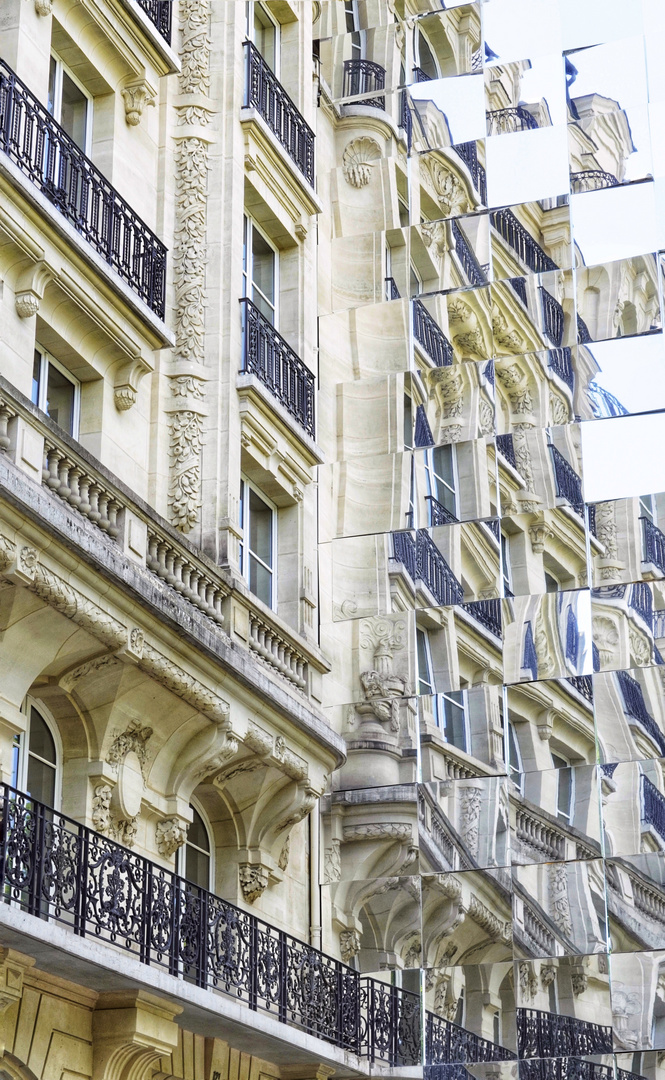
x=438 y=513
x=420 y=76
x=392 y=292
x=159 y=13
x=423 y=432
x=404 y=552
x=635 y=708
x=591 y=180
x=583 y=334
x=569 y=1068
x=488 y=614
x=653 y=806
x=568 y=483
x=505 y=121
x=57 y=869
x=654 y=544
x=641 y=600
x=560 y=362
x=552 y=317
x=44 y=152
x=267 y=355
x=266 y=94
x=505 y=446
x=583 y=684
x=424 y=562
x=405 y=116
x=468 y=152
x=521 y=241
x=364 y=77
x=519 y=286
x=472 y=268
x=543 y=1034
x=446 y=1042
x=430 y=336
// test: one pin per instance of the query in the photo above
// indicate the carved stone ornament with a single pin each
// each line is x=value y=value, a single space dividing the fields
x=349 y=945
x=101 y=807
x=332 y=863
x=136 y=98
x=606 y=639
x=559 y=902
x=170 y=834
x=539 y=534
x=124 y=397
x=27 y=304
x=451 y=193
x=132 y=740
x=470 y=806
x=43 y=7
x=358 y=160
x=253 y=881
x=381 y=687
x=378 y=830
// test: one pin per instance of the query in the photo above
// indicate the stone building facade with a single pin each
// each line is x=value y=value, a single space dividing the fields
x=332 y=708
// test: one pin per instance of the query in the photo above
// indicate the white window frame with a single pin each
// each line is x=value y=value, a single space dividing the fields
x=60 y=67
x=431 y=475
x=244 y=543
x=510 y=727
x=506 y=569
x=22 y=744
x=429 y=681
x=249 y=224
x=47 y=359
x=250 y=33
x=447 y=696
x=570 y=815
x=416 y=51
x=182 y=851
x=359 y=46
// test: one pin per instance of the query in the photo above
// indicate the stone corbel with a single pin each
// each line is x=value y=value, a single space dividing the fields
x=539 y=534
x=136 y=98
x=126 y=382
x=30 y=288
x=43 y=7
x=204 y=755
x=132 y=1030
x=13 y=966
x=546 y=724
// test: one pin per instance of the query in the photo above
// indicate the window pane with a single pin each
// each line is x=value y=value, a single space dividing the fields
x=60 y=399
x=427 y=62
x=197 y=867
x=73 y=110
x=41 y=781
x=424 y=673
x=263 y=269
x=443 y=465
x=197 y=833
x=264 y=35
x=260 y=528
x=455 y=727
x=51 y=87
x=36 y=378
x=41 y=740
x=565 y=792
x=260 y=581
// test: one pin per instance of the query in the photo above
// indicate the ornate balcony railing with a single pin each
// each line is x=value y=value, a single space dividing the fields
x=521 y=241
x=552 y=317
x=468 y=152
x=438 y=513
x=446 y=1072
x=267 y=95
x=583 y=684
x=653 y=806
x=446 y=1042
x=424 y=562
x=267 y=355
x=420 y=76
x=364 y=77
x=568 y=1068
x=654 y=544
x=488 y=614
x=568 y=483
x=404 y=551
x=641 y=600
x=44 y=152
x=560 y=362
x=505 y=446
x=519 y=286
x=543 y=1035
x=472 y=268
x=423 y=433
x=159 y=13
x=583 y=334
x=430 y=336
x=635 y=708
x=57 y=869
x=505 y=121
x=392 y=292
x=406 y=116
x=545 y=839
x=538 y=935
x=591 y=180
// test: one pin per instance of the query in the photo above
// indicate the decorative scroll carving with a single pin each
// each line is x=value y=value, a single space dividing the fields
x=559 y=902
x=183 y=685
x=378 y=830
x=470 y=804
x=358 y=160
x=332 y=864
x=136 y=98
x=450 y=191
x=133 y=738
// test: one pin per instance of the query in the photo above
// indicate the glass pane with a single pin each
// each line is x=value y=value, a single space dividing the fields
x=424 y=673
x=260 y=528
x=16 y=757
x=260 y=581
x=36 y=378
x=455 y=727
x=41 y=781
x=197 y=833
x=263 y=266
x=73 y=110
x=565 y=791
x=264 y=35
x=443 y=465
x=51 y=87
x=427 y=63
x=197 y=867
x=60 y=399
x=41 y=740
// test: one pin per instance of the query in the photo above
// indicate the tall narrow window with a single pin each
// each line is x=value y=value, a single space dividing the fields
x=440 y=478
x=648 y=508
x=264 y=32
x=257 y=550
x=514 y=759
x=352 y=22
x=70 y=104
x=564 y=806
x=197 y=860
x=35 y=762
x=453 y=718
x=425 y=673
x=259 y=270
x=426 y=67
x=55 y=392
x=505 y=566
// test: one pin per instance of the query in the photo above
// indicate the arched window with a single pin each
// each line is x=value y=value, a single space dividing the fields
x=197 y=852
x=36 y=759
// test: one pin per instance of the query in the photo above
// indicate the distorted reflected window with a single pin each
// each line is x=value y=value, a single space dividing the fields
x=35 y=759
x=415 y=284
x=197 y=852
x=352 y=23
x=496 y=1027
x=515 y=770
x=551 y=583
x=425 y=672
x=425 y=64
x=257 y=550
x=453 y=718
x=459 y=1012
x=564 y=805
x=264 y=32
x=55 y=392
x=408 y=422
x=259 y=270
x=506 y=571
x=440 y=470
x=70 y=104
x=648 y=508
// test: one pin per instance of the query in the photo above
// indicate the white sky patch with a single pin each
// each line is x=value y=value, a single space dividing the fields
x=633 y=369
x=528 y=165
x=614 y=223
x=462 y=99
x=623 y=457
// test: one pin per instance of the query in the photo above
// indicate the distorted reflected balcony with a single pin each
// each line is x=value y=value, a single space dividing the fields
x=438 y=513
x=635 y=708
x=488 y=614
x=568 y=483
x=637 y=597
x=58 y=168
x=392 y=291
x=506 y=121
x=506 y=447
x=543 y=1034
x=448 y=1042
x=159 y=13
x=430 y=336
x=521 y=241
x=583 y=332
x=553 y=318
x=653 y=807
x=592 y=180
x=423 y=561
x=560 y=362
x=364 y=77
x=265 y=93
x=583 y=684
x=472 y=269
x=570 y=1068
x=654 y=544
x=468 y=152
x=268 y=356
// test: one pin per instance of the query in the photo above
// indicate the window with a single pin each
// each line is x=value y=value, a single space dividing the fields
x=459 y=1012
x=425 y=675
x=257 y=550
x=496 y=1028
x=424 y=59
x=352 y=22
x=453 y=718
x=440 y=477
x=259 y=270
x=564 y=805
x=505 y=566
x=70 y=104
x=264 y=32
x=196 y=860
x=514 y=759
x=415 y=283
x=551 y=584
x=648 y=508
x=35 y=760
x=55 y=392
x=408 y=423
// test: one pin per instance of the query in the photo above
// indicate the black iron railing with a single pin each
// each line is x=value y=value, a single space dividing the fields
x=503 y=121
x=430 y=336
x=56 y=869
x=446 y=1072
x=446 y=1042
x=583 y=684
x=438 y=513
x=543 y=1034
x=568 y=483
x=392 y=292
x=420 y=76
x=424 y=562
x=505 y=446
x=364 y=77
x=487 y=613
x=552 y=317
x=635 y=708
x=567 y=1068
x=591 y=180
x=468 y=152
x=267 y=355
x=519 y=285
x=583 y=334
x=561 y=363
x=404 y=552
x=653 y=806
x=641 y=601
x=472 y=268
x=423 y=433
x=654 y=544
x=521 y=241
x=266 y=94
x=44 y=153
x=159 y=13
x=405 y=116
